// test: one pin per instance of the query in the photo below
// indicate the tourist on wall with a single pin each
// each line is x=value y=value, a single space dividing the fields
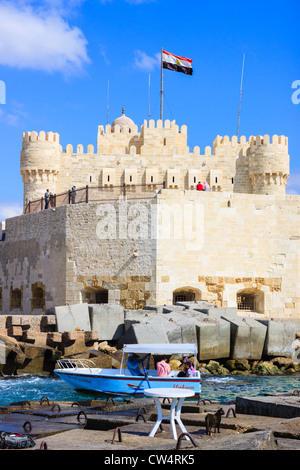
x=47 y=199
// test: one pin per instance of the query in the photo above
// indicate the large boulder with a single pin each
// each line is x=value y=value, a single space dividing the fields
x=108 y=320
x=72 y=317
x=11 y=355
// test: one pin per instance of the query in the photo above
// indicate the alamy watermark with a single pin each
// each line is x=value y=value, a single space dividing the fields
x=296 y=94
x=141 y=221
x=2 y=92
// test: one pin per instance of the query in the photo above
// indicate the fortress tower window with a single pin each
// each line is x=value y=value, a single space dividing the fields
x=15 y=299
x=95 y=295
x=186 y=294
x=101 y=296
x=246 y=302
x=38 y=296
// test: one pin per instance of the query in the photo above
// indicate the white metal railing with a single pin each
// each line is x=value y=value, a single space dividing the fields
x=76 y=364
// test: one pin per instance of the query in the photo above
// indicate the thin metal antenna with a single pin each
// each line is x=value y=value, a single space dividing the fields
x=149 y=99
x=107 y=102
x=241 y=91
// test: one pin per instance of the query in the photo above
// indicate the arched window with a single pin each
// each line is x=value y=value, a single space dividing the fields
x=246 y=302
x=15 y=298
x=186 y=294
x=101 y=297
x=38 y=296
x=95 y=295
x=250 y=300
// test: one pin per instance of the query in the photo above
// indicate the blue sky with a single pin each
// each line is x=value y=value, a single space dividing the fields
x=57 y=57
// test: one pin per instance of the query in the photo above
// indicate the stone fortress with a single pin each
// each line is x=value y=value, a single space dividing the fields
x=235 y=246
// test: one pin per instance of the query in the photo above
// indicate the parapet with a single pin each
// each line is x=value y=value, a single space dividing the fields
x=40 y=137
x=252 y=141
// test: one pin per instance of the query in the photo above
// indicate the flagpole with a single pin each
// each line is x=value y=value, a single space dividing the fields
x=161 y=86
x=241 y=90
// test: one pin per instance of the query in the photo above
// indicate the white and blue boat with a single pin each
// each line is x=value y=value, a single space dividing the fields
x=84 y=376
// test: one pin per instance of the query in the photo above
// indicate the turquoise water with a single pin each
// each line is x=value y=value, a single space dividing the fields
x=216 y=388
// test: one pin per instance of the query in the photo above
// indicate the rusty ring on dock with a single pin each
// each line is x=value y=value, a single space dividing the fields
x=27 y=426
x=203 y=401
x=182 y=436
x=110 y=399
x=43 y=399
x=82 y=413
x=119 y=435
x=140 y=413
x=166 y=398
x=43 y=445
x=56 y=405
x=26 y=402
x=75 y=403
x=228 y=412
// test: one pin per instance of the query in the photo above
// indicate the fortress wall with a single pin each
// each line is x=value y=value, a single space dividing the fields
x=221 y=244
x=81 y=169
x=33 y=254
x=213 y=244
x=109 y=248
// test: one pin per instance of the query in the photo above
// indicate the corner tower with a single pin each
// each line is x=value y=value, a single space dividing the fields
x=269 y=164
x=40 y=164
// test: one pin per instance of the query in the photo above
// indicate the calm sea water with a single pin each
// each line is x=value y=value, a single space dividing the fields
x=215 y=388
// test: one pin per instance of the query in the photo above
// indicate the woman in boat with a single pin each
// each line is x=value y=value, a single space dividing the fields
x=185 y=360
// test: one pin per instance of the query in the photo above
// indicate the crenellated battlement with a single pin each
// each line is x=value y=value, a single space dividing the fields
x=40 y=137
x=255 y=165
x=253 y=141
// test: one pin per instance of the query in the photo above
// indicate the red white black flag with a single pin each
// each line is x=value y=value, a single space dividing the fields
x=176 y=63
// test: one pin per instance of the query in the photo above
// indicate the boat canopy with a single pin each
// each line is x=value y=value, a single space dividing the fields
x=174 y=348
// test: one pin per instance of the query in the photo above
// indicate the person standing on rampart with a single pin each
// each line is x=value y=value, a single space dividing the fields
x=199 y=186
x=73 y=195
x=47 y=199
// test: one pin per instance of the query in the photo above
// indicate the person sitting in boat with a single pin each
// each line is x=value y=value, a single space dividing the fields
x=186 y=359
x=163 y=368
x=133 y=363
x=187 y=371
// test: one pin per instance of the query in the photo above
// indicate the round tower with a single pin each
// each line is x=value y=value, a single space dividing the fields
x=269 y=164
x=40 y=164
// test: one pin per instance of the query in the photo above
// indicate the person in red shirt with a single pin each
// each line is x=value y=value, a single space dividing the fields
x=199 y=187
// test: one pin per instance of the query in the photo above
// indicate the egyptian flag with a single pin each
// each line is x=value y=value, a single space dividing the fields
x=176 y=63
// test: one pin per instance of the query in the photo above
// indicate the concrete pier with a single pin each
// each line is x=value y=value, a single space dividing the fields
x=125 y=426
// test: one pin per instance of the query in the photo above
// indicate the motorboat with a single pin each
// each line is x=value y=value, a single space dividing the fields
x=84 y=376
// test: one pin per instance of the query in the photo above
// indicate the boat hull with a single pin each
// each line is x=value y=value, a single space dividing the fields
x=125 y=384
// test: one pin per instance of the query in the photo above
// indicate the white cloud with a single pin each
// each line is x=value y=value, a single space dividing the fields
x=144 y=62
x=293 y=183
x=40 y=39
x=10 y=209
